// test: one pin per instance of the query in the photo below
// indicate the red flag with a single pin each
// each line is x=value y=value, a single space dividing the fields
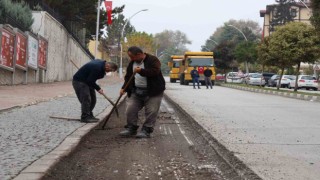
x=200 y=69
x=108 y=5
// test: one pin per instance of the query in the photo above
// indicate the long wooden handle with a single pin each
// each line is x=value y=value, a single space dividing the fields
x=74 y=64
x=106 y=119
x=114 y=105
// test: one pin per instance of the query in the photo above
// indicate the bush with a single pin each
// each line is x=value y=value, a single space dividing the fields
x=20 y=12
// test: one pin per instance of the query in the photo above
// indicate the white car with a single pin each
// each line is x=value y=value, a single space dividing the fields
x=305 y=81
x=233 y=77
x=285 y=80
x=255 y=79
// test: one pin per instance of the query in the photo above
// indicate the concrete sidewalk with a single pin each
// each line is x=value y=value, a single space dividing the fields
x=23 y=95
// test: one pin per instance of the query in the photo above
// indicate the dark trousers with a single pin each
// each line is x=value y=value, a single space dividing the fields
x=194 y=81
x=151 y=106
x=86 y=96
x=208 y=81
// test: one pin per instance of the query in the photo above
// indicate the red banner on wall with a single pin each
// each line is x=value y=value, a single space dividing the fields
x=108 y=5
x=21 y=51
x=42 y=56
x=7 y=49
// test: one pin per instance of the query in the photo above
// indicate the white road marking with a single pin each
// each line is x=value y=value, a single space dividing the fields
x=178 y=123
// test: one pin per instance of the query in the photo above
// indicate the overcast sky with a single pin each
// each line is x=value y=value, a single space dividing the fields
x=198 y=19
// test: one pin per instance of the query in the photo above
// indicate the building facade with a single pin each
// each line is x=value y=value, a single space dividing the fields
x=281 y=13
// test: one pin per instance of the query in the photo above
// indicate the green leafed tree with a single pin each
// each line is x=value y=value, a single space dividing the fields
x=292 y=44
x=141 y=39
x=246 y=52
x=263 y=54
x=19 y=11
x=168 y=43
x=224 y=57
x=315 y=18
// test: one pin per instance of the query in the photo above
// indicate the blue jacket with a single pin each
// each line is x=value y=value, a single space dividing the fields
x=194 y=73
x=91 y=72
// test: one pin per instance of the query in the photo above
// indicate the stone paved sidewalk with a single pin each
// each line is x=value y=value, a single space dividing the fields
x=28 y=134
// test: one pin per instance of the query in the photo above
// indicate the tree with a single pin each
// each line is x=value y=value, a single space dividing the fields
x=246 y=52
x=110 y=42
x=315 y=18
x=19 y=11
x=250 y=29
x=169 y=39
x=141 y=39
x=76 y=14
x=169 y=43
x=294 y=43
x=223 y=56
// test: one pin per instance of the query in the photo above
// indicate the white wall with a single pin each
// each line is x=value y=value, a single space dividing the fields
x=61 y=49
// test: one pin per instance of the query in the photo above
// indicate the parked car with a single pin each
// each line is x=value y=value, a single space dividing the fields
x=255 y=79
x=305 y=81
x=272 y=82
x=267 y=76
x=285 y=80
x=233 y=77
x=220 y=77
x=246 y=77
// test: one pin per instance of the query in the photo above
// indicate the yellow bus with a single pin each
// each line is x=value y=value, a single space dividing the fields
x=176 y=67
x=200 y=60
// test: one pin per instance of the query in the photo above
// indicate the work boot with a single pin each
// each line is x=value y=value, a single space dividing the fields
x=145 y=132
x=92 y=117
x=89 y=119
x=130 y=131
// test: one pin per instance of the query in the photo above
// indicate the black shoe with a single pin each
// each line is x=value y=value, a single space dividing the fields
x=92 y=117
x=129 y=131
x=143 y=134
x=89 y=120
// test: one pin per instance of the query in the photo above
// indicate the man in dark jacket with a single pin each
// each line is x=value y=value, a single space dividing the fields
x=84 y=84
x=207 y=77
x=145 y=90
x=195 y=77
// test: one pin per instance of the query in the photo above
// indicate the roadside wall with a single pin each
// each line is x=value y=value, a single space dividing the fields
x=61 y=49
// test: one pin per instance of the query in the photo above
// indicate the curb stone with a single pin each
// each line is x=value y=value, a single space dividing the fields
x=39 y=168
x=284 y=94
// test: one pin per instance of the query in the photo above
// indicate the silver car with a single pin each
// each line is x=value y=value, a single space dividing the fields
x=255 y=79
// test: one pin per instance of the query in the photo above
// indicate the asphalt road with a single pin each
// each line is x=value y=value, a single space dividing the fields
x=175 y=151
x=277 y=137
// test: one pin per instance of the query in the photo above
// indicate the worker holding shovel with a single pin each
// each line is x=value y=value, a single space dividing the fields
x=145 y=89
x=84 y=84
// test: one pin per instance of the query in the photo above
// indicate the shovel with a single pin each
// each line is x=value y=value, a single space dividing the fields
x=106 y=119
x=114 y=105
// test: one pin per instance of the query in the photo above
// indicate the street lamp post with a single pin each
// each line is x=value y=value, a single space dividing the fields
x=247 y=69
x=213 y=41
x=97 y=29
x=206 y=48
x=305 y=5
x=122 y=31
